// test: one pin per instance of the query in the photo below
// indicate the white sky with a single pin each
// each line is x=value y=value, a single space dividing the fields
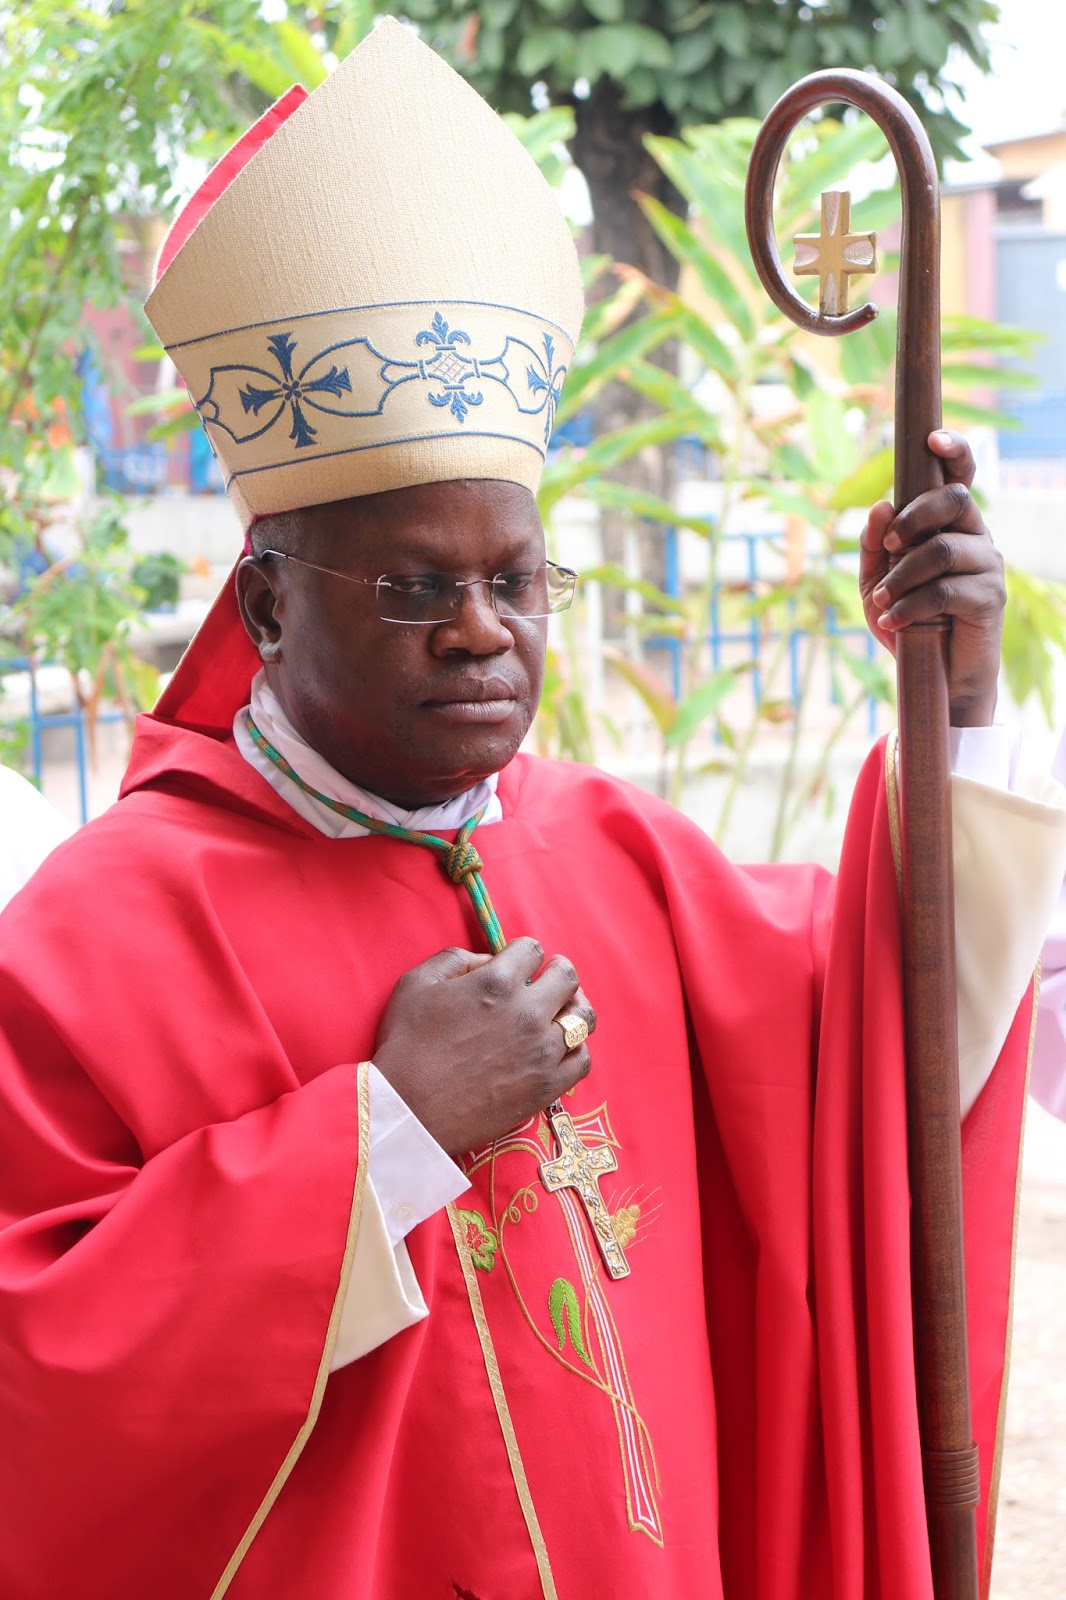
x=1026 y=91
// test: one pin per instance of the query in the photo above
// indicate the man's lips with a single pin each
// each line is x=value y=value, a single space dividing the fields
x=474 y=702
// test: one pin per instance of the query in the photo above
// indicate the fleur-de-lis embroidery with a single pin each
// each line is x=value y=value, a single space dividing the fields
x=290 y=389
x=449 y=367
x=547 y=383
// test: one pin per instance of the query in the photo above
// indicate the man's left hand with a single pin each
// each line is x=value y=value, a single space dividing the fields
x=945 y=566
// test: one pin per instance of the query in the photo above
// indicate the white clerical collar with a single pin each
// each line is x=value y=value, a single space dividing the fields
x=276 y=728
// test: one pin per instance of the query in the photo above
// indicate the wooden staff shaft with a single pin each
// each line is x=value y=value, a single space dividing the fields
x=942 y=1375
x=939 y=1290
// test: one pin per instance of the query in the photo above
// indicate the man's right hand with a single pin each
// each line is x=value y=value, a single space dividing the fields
x=470 y=1042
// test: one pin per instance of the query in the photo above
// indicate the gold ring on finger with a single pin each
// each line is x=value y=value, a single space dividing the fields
x=575 y=1029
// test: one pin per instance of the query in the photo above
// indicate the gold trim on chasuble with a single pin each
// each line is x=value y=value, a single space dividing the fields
x=891 y=788
x=319 y=1389
x=503 y=1412
x=587 y=1343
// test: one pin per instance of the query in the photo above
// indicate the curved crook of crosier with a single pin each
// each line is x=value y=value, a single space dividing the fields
x=914 y=159
x=918 y=409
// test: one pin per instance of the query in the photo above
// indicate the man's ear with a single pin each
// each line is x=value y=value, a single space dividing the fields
x=259 y=602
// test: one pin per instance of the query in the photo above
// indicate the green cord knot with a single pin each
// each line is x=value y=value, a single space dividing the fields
x=461 y=861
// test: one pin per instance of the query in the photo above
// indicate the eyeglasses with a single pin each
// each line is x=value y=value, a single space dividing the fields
x=427 y=598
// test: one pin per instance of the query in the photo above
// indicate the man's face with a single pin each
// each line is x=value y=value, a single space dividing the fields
x=413 y=713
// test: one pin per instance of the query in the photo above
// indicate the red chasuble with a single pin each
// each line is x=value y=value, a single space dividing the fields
x=184 y=992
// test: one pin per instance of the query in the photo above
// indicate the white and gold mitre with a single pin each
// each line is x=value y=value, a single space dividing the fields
x=386 y=294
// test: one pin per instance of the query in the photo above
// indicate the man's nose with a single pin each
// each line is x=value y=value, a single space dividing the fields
x=476 y=626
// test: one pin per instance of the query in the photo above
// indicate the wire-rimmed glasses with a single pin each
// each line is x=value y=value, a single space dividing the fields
x=425 y=599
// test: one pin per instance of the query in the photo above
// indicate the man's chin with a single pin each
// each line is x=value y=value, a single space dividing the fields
x=447 y=768
x=450 y=781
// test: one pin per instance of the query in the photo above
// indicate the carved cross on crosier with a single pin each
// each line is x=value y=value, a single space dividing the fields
x=580 y=1168
x=835 y=254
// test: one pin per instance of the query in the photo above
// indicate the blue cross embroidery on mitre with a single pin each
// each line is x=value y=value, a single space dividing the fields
x=291 y=390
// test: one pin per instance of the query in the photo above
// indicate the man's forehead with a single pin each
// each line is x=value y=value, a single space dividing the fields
x=427 y=519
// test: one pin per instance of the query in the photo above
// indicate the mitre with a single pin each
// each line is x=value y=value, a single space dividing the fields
x=376 y=288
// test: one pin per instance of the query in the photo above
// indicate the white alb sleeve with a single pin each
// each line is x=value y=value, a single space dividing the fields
x=986 y=755
x=1009 y=857
x=409 y=1177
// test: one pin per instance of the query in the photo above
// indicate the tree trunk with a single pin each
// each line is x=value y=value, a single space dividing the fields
x=608 y=148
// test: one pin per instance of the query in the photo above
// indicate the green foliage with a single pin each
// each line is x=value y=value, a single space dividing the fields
x=1034 y=626
x=184 y=79
x=14 y=745
x=95 y=104
x=545 y=135
x=562 y=727
x=700 y=62
x=814 y=459
x=826 y=454
x=98 y=104
x=79 y=614
x=158 y=577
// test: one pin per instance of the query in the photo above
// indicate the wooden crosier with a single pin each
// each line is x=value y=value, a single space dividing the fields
x=949 y=1456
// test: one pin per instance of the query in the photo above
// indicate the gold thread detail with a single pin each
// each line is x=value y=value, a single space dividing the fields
x=503 y=1412
x=619 y=1402
x=1001 y=1419
x=892 y=796
x=499 y=1222
x=623 y=1403
x=296 y=1448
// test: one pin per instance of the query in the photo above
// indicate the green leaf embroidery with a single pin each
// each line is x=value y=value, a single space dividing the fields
x=566 y=1318
x=479 y=1239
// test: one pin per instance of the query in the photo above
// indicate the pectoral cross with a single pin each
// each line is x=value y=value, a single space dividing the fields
x=579 y=1167
x=835 y=254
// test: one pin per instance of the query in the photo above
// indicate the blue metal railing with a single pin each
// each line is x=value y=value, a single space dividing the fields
x=753 y=634
x=39 y=723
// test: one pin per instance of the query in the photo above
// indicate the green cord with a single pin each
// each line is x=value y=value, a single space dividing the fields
x=461 y=861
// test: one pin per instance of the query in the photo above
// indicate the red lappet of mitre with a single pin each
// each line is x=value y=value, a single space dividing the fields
x=211 y=682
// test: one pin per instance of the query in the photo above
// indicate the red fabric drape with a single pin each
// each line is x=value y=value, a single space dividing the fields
x=735 y=1419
